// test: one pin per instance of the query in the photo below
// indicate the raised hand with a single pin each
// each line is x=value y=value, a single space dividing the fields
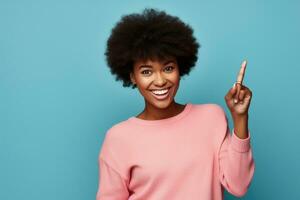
x=238 y=98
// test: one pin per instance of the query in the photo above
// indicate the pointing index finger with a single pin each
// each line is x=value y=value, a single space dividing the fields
x=242 y=73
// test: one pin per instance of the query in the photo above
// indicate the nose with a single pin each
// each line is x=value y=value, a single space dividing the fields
x=159 y=80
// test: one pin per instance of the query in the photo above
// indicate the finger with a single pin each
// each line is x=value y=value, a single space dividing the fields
x=248 y=95
x=233 y=90
x=231 y=93
x=247 y=99
x=238 y=88
x=241 y=96
x=241 y=74
x=247 y=90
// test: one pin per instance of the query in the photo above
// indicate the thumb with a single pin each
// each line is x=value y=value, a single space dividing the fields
x=232 y=92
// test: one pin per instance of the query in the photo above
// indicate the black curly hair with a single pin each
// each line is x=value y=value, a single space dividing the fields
x=149 y=35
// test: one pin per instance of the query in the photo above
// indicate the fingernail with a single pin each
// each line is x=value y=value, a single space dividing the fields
x=235 y=100
x=233 y=85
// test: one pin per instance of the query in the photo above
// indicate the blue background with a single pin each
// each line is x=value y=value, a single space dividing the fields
x=58 y=98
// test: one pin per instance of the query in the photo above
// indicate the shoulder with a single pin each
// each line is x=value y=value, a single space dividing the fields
x=214 y=118
x=210 y=110
x=114 y=142
x=115 y=149
x=117 y=131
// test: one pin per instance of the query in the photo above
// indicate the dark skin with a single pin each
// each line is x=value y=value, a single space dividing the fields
x=178 y=108
x=238 y=100
x=154 y=74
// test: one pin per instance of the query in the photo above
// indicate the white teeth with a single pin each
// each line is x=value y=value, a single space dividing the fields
x=160 y=91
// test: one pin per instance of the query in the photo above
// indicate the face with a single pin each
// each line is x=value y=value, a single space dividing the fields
x=157 y=81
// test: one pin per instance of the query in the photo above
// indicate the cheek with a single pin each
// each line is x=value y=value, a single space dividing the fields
x=175 y=78
x=144 y=83
x=176 y=82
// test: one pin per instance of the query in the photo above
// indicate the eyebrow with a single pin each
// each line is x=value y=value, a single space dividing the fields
x=150 y=66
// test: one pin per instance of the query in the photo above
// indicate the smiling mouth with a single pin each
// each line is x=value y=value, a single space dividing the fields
x=161 y=94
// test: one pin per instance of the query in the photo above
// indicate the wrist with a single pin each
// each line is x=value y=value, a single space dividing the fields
x=240 y=123
x=240 y=117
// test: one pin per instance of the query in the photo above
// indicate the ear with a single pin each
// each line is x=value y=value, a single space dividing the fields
x=132 y=78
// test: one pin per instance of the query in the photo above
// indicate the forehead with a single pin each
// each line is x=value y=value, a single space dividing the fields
x=153 y=61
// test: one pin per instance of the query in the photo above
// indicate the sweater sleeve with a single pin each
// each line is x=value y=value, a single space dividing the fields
x=112 y=186
x=236 y=164
x=113 y=177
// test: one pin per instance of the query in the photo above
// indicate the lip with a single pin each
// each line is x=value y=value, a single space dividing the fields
x=161 y=88
x=161 y=97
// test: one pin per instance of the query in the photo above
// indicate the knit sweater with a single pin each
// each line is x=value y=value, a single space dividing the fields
x=192 y=155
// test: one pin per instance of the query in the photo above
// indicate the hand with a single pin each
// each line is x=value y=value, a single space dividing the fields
x=239 y=96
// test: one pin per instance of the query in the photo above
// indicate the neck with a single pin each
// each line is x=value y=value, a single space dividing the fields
x=155 y=113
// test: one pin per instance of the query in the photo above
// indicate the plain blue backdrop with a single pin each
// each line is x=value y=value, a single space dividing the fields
x=58 y=98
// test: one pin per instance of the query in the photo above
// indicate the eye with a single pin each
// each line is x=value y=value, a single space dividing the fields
x=169 y=67
x=142 y=72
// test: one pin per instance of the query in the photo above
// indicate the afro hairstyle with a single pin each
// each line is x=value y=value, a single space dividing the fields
x=149 y=35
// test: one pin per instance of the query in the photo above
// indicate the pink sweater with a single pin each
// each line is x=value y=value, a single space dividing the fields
x=189 y=156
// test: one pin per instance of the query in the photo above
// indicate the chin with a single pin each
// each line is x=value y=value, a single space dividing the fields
x=162 y=104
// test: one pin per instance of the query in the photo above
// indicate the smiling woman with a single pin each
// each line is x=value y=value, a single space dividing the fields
x=158 y=82
x=152 y=51
x=170 y=151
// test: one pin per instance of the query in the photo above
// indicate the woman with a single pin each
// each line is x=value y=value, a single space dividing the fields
x=171 y=151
